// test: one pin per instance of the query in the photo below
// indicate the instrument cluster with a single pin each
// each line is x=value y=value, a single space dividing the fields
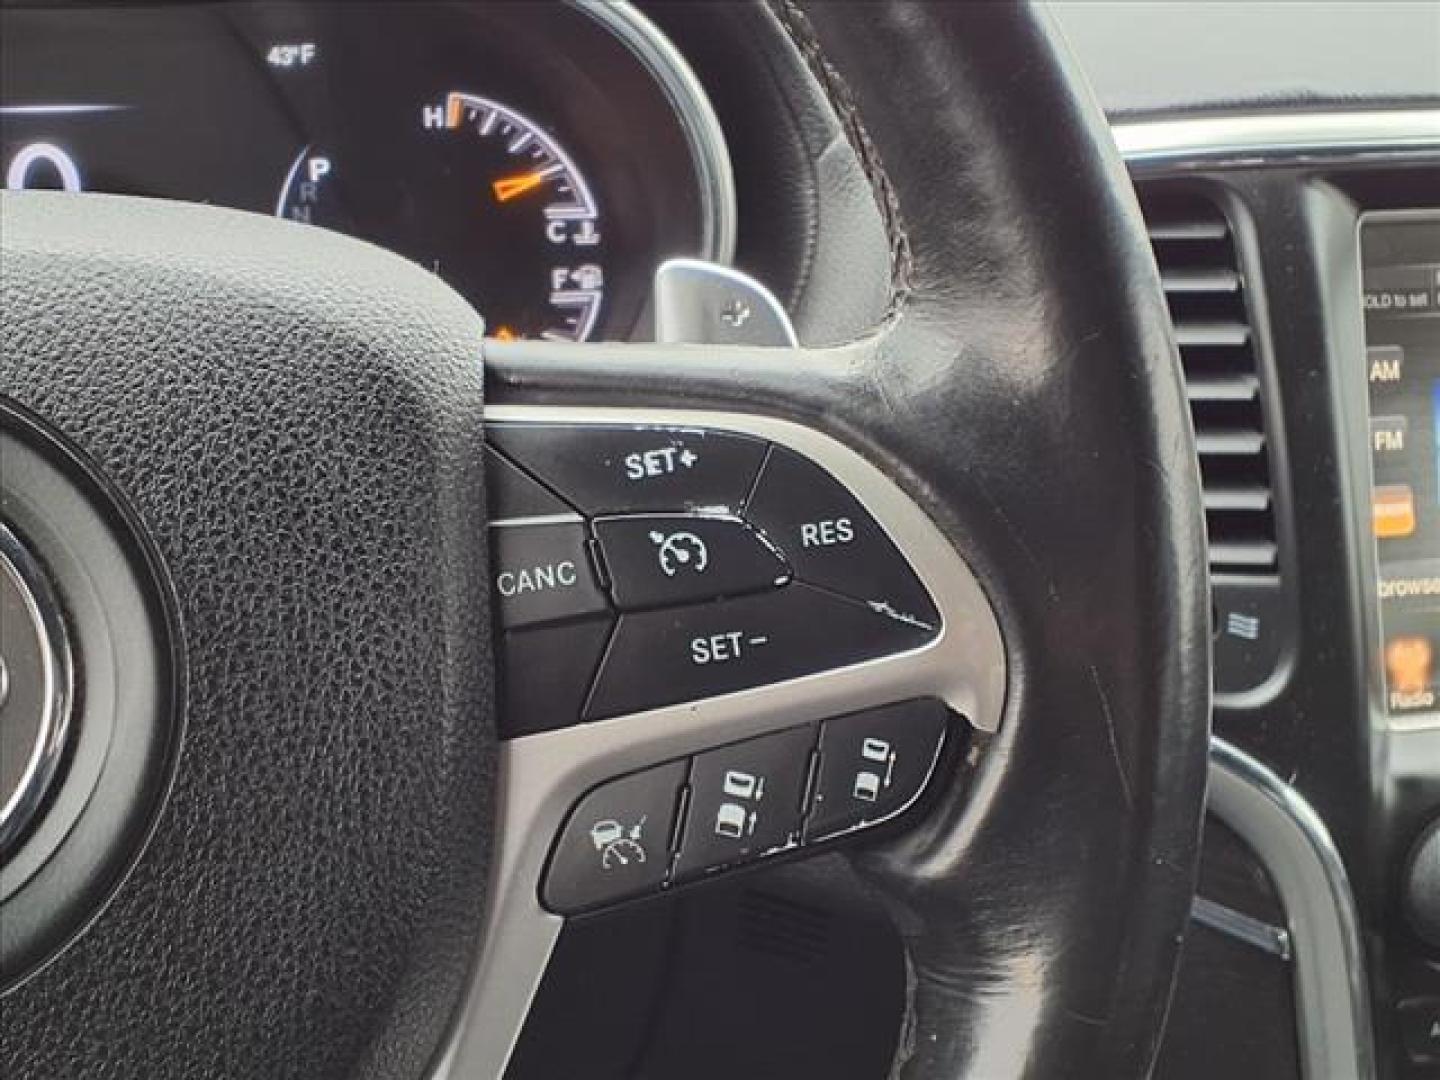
x=543 y=158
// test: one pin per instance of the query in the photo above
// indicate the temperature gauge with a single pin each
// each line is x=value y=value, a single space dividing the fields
x=481 y=195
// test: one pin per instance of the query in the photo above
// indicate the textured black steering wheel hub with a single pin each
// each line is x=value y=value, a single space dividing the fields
x=294 y=421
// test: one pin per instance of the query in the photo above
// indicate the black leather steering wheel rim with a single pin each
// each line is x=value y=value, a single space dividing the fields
x=1108 y=650
x=1024 y=390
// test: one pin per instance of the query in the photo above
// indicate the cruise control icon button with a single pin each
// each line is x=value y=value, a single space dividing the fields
x=613 y=469
x=684 y=654
x=656 y=560
x=542 y=573
x=830 y=539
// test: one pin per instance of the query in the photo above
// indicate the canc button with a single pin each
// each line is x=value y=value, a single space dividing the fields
x=542 y=573
x=873 y=764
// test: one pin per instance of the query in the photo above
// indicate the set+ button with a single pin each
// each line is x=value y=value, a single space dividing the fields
x=603 y=469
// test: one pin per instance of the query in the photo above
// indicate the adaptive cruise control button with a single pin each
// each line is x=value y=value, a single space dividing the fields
x=617 y=841
x=829 y=539
x=542 y=573
x=873 y=764
x=656 y=560
x=745 y=800
x=684 y=654
x=612 y=469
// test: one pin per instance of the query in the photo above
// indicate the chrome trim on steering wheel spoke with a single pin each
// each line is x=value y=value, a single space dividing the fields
x=542 y=776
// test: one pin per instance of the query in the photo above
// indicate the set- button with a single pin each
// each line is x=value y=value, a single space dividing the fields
x=683 y=654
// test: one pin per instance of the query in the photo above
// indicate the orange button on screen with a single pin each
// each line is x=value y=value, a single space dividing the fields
x=1409 y=661
x=1394 y=511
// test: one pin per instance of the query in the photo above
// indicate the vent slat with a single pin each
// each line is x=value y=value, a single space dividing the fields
x=1243 y=554
x=1229 y=443
x=1253 y=498
x=1215 y=333
x=1213 y=388
x=1205 y=290
x=1191 y=279
x=1195 y=229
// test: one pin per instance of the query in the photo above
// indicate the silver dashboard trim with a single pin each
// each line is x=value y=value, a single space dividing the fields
x=1254 y=932
x=541 y=776
x=1288 y=137
x=703 y=133
x=1286 y=833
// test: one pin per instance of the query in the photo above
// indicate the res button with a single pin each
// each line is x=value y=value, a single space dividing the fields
x=830 y=540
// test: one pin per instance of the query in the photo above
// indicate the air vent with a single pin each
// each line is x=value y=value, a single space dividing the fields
x=1205 y=288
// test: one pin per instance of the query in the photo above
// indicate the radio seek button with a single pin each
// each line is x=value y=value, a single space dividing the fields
x=542 y=573
x=603 y=468
x=684 y=654
x=656 y=560
x=830 y=540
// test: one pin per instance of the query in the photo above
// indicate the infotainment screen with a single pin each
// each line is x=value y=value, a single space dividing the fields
x=1400 y=271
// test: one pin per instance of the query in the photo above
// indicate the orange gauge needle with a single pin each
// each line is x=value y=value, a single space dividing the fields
x=510 y=187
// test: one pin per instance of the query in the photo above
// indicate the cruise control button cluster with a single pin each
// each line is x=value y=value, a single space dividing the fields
x=750 y=800
x=637 y=566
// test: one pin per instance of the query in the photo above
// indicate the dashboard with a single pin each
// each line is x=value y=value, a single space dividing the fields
x=541 y=158
x=544 y=159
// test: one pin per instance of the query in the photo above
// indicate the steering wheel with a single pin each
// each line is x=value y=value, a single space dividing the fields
x=323 y=862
